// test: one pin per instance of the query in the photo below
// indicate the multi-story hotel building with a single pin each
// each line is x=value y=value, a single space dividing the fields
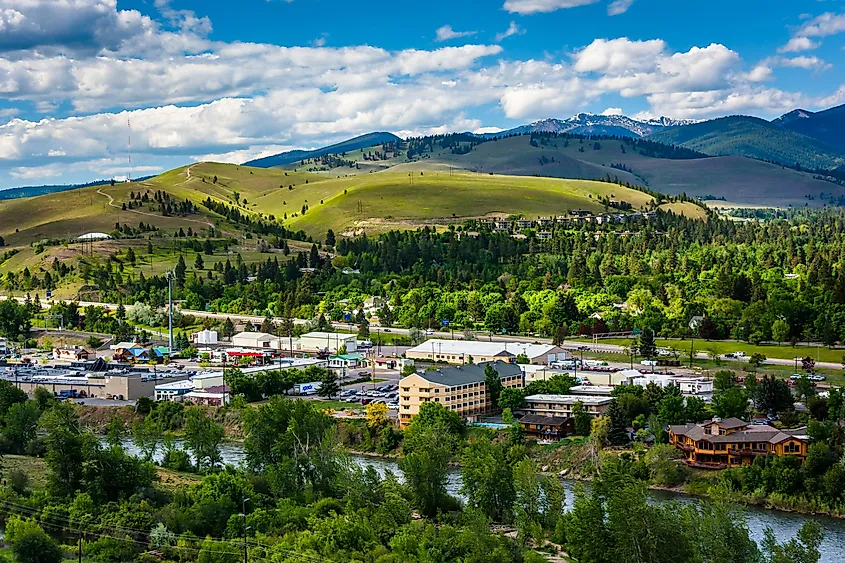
x=561 y=405
x=459 y=388
x=732 y=442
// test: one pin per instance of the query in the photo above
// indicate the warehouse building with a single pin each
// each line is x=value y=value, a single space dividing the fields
x=329 y=342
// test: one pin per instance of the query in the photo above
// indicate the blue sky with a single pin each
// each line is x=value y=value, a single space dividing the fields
x=229 y=81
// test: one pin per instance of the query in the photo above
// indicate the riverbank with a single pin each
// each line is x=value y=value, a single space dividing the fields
x=571 y=460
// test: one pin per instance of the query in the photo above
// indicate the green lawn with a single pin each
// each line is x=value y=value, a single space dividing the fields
x=337 y=405
x=785 y=351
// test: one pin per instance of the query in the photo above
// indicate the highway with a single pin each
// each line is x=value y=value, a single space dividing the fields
x=479 y=335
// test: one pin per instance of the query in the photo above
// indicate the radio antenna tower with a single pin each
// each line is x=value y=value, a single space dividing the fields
x=129 y=140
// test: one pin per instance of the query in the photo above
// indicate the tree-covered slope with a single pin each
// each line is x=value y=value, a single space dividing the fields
x=827 y=126
x=754 y=138
x=368 y=140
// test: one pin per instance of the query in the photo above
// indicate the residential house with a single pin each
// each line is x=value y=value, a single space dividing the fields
x=71 y=354
x=732 y=442
x=544 y=235
x=347 y=361
x=524 y=223
x=138 y=354
x=546 y=427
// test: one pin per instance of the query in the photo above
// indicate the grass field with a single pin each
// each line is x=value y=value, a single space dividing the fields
x=786 y=352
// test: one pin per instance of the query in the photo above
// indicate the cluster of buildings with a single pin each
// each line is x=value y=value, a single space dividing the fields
x=313 y=342
x=577 y=217
x=201 y=389
x=134 y=353
x=94 y=378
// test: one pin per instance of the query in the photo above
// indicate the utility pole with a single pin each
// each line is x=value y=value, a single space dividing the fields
x=243 y=515
x=170 y=308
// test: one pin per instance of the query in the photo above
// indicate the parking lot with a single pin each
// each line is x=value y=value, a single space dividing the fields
x=387 y=393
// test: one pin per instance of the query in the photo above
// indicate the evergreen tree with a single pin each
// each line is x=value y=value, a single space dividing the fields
x=645 y=345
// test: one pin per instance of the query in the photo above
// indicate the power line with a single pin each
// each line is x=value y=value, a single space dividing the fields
x=67 y=524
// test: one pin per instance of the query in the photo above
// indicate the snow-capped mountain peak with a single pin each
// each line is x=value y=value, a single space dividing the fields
x=592 y=124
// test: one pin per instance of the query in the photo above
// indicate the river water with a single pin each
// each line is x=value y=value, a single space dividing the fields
x=784 y=524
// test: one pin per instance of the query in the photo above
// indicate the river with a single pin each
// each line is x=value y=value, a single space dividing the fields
x=784 y=524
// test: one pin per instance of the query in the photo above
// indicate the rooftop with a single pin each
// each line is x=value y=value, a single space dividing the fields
x=256 y=335
x=471 y=373
x=175 y=385
x=591 y=390
x=545 y=420
x=569 y=399
x=330 y=336
x=478 y=348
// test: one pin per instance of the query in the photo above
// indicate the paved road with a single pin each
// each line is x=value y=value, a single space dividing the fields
x=479 y=335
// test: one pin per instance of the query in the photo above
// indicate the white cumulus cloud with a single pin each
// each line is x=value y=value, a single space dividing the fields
x=446 y=33
x=543 y=6
x=513 y=29
x=619 y=7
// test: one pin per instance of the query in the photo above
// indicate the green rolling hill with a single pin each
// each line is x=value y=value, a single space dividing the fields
x=44 y=228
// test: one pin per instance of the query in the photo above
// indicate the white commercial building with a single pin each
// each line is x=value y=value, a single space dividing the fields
x=255 y=340
x=174 y=390
x=460 y=351
x=207 y=380
x=539 y=372
x=328 y=341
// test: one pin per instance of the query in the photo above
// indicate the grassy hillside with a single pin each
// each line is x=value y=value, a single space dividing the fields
x=754 y=138
x=395 y=199
x=741 y=181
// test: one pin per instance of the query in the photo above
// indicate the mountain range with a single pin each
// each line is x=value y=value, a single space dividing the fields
x=800 y=139
x=592 y=124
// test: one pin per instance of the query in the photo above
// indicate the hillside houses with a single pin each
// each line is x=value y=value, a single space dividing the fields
x=577 y=217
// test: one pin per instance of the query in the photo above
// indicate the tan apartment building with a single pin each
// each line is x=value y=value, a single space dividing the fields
x=561 y=405
x=459 y=388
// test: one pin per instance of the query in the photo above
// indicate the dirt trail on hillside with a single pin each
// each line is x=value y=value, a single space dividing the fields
x=116 y=206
